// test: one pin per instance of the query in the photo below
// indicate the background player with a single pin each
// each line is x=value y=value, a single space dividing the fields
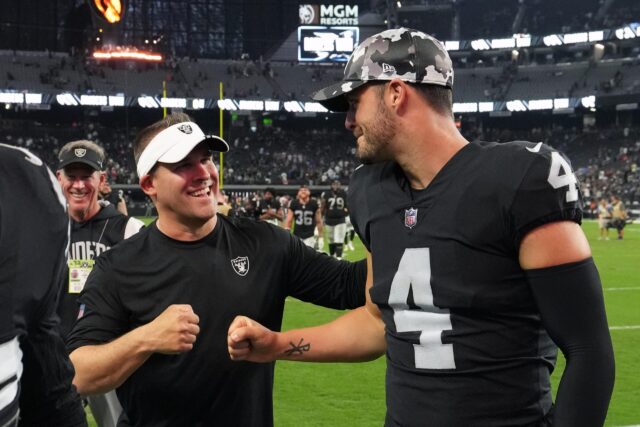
x=116 y=198
x=478 y=261
x=35 y=371
x=269 y=208
x=334 y=210
x=618 y=215
x=308 y=219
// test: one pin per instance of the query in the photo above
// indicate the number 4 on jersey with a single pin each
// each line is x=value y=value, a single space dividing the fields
x=567 y=179
x=414 y=273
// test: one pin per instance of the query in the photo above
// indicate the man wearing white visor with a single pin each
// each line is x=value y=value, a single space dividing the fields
x=156 y=308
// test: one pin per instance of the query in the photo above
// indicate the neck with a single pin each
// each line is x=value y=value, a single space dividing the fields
x=425 y=149
x=185 y=231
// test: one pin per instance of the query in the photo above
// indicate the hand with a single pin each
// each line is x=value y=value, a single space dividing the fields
x=249 y=340
x=174 y=330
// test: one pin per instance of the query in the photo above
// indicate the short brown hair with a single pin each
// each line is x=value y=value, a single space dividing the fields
x=145 y=136
x=440 y=98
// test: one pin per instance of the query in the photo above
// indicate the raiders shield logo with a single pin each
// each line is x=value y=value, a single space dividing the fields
x=80 y=152
x=240 y=265
x=410 y=217
x=185 y=128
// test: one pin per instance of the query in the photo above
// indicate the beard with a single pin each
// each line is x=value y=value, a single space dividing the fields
x=376 y=136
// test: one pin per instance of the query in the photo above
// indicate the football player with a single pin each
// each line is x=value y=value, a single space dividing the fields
x=35 y=371
x=269 y=208
x=308 y=219
x=334 y=209
x=478 y=265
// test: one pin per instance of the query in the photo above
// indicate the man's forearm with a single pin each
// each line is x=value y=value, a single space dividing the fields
x=104 y=367
x=354 y=337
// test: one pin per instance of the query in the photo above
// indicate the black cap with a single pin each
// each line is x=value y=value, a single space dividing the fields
x=82 y=154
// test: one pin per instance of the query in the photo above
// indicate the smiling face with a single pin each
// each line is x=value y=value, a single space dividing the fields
x=185 y=192
x=80 y=184
x=371 y=123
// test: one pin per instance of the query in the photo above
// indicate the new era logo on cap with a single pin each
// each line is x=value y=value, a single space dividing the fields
x=386 y=68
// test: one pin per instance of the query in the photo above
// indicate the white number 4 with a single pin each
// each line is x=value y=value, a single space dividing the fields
x=567 y=179
x=414 y=272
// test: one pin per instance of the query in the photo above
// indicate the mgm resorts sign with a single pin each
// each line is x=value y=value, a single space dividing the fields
x=328 y=14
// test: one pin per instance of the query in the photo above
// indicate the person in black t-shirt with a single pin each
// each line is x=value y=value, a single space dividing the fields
x=308 y=219
x=156 y=308
x=35 y=371
x=269 y=208
x=335 y=211
x=116 y=198
x=479 y=263
x=95 y=228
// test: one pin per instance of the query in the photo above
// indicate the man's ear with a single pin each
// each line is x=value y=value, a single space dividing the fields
x=397 y=93
x=147 y=185
x=59 y=173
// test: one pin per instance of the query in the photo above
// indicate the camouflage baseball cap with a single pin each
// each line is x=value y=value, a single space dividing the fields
x=401 y=53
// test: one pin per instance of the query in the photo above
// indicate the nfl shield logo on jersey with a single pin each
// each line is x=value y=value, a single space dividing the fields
x=410 y=217
x=240 y=265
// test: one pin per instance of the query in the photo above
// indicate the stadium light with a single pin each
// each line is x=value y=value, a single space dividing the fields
x=588 y=101
x=249 y=105
x=272 y=105
x=173 y=102
x=33 y=98
x=128 y=54
x=452 y=45
x=227 y=105
x=147 y=102
x=480 y=44
x=465 y=107
x=314 y=107
x=540 y=104
x=93 y=100
x=516 y=105
x=11 y=98
x=116 y=100
x=198 y=103
x=552 y=40
x=67 y=99
x=485 y=107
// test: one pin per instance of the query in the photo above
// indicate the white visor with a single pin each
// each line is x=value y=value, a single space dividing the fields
x=174 y=144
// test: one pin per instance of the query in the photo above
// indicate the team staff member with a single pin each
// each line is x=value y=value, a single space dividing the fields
x=95 y=228
x=308 y=218
x=335 y=211
x=478 y=259
x=157 y=306
x=35 y=371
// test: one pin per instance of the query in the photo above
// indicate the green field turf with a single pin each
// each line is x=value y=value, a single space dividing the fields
x=352 y=395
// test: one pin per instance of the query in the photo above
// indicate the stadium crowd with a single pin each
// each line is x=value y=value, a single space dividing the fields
x=606 y=160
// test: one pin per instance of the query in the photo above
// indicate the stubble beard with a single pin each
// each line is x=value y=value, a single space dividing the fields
x=375 y=137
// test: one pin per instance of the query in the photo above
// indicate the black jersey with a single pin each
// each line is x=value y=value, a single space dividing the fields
x=465 y=343
x=335 y=206
x=305 y=217
x=34 y=231
x=222 y=275
x=265 y=205
x=88 y=240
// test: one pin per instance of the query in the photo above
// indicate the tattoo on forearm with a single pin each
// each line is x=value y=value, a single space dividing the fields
x=298 y=349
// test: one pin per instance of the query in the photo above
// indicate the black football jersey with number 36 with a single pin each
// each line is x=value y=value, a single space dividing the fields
x=465 y=343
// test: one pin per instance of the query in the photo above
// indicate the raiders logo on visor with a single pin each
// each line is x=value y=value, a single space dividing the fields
x=185 y=128
x=80 y=152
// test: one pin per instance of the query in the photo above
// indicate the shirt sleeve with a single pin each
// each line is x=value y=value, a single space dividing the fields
x=317 y=278
x=548 y=192
x=101 y=316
